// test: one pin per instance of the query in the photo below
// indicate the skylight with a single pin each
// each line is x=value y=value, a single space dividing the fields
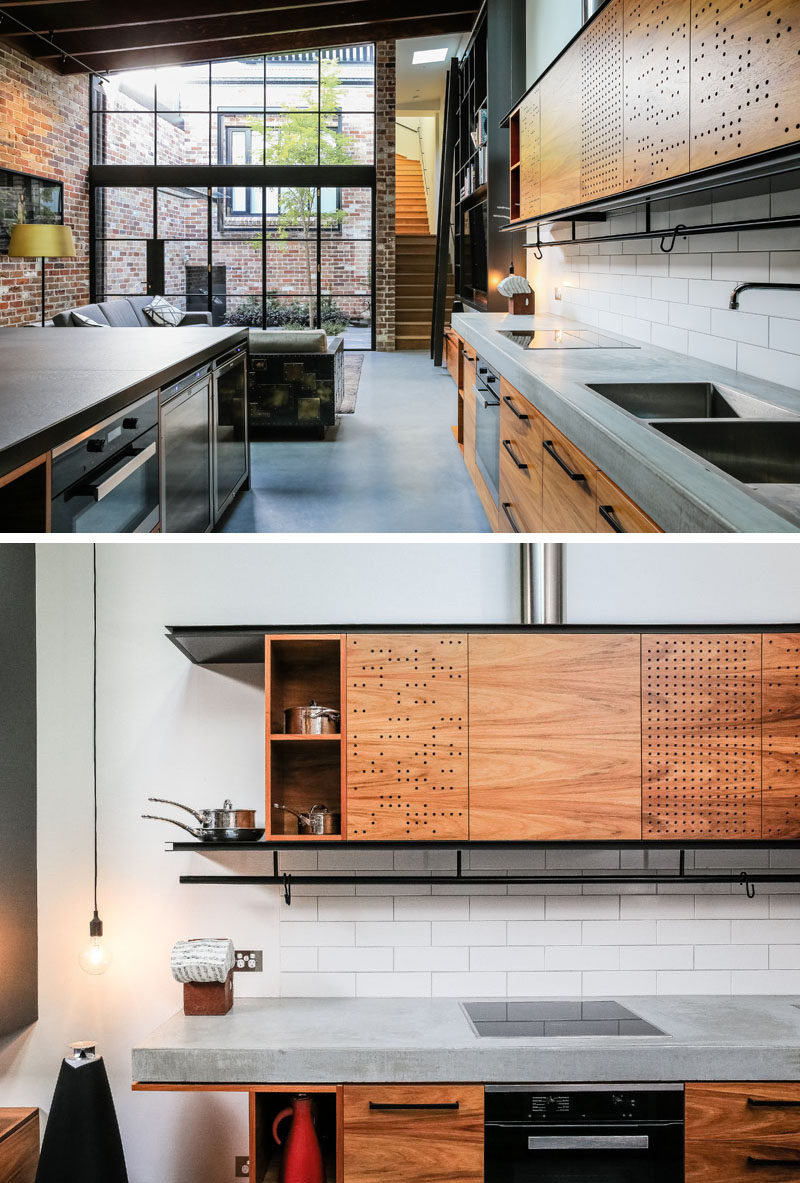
x=421 y=57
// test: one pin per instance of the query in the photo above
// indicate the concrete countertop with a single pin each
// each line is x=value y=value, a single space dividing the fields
x=681 y=492
x=56 y=383
x=331 y=1040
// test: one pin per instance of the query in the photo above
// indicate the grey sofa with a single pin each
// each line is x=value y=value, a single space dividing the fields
x=125 y=313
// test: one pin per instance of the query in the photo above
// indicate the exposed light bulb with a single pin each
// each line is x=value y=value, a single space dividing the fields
x=95 y=958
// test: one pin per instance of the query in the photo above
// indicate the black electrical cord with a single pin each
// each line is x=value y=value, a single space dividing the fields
x=51 y=44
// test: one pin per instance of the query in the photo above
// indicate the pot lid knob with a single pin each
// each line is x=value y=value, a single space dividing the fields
x=227 y=804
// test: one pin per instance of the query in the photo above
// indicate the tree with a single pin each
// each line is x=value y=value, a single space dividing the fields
x=295 y=141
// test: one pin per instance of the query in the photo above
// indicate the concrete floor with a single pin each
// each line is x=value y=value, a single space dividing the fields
x=394 y=466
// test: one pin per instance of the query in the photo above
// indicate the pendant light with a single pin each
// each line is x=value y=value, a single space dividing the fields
x=94 y=958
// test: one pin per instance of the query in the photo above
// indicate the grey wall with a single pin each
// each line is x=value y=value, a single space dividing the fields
x=18 y=934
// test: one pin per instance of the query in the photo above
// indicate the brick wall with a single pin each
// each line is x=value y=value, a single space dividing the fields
x=384 y=203
x=43 y=130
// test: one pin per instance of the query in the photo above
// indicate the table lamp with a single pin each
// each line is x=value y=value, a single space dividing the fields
x=36 y=240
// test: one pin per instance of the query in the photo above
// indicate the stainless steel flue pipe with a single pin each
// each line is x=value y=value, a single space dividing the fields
x=541 y=582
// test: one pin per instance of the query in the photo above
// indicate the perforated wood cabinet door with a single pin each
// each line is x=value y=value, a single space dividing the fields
x=601 y=104
x=780 y=813
x=745 y=78
x=701 y=735
x=656 y=87
x=560 y=122
x=555 y=737
x=530 y=151
x=407 y=736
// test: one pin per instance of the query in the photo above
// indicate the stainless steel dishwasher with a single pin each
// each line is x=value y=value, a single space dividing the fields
x=186 y=502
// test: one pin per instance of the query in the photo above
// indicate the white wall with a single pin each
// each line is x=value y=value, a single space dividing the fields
x=169 y=728
x=678 y=301
x=408 y=144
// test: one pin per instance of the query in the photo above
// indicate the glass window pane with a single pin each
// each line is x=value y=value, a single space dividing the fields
x=182 y=213
x=123 y=137
x=291 y=266
x=185 y=267
x=346 y=266
x=128 y=90
x=124 y=213
x=293 y=81
x=237 y=266
x=295 y=311
x=291 y=138
x=236 y=211
x=183 y=88
x=241 y=310
x=356 y=140
x=350 y=317
x=347 y=213
x=238 y=85
x=237 y=137
x=182 y=138
x=125 y=268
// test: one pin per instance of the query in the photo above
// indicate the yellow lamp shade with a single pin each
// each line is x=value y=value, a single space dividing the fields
x=35 y=240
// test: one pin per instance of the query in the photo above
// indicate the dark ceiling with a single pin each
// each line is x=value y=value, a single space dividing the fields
x=96 y=35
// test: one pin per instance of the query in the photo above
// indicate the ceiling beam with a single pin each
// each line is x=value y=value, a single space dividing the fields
x=46 y=16
x=166 y=34
x=283 y=42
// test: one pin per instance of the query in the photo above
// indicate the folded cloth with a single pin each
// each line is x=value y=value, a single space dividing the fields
x=209 y=959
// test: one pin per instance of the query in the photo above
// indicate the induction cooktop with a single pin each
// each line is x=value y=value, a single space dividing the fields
x=537 y=1019
x=564 y=339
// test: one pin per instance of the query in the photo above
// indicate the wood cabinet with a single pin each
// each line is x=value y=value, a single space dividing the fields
x=569 y=486
x=303 y=770
x=520 y=509
x=780 y=759
x=617 y=513
x=554 y=737
x=415 y=1133
x=560 y=123
x=19 y=1145
x=701 y=735
x=737 y=1130
x=407 y=772
x=650 y=91
x=452 y=354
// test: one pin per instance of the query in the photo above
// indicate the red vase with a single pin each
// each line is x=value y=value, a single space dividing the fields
x=302 y=1157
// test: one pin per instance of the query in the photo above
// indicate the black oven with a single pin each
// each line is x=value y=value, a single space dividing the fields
x=105 y=481
x=584 y=1133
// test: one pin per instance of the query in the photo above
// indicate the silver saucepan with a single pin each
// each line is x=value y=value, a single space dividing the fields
x=216 y=825
x=311 y=720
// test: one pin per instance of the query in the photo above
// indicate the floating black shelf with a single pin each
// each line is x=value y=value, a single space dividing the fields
x=237 y=644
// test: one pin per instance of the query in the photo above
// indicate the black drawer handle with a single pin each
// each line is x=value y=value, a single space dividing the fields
x=608 y=514
x=549 y=447
x=773 y=1162
x=467 y=356
x=777 y=1103
x=509 y=403
x=506 y=508
x=513 y=455
x=387 y=1105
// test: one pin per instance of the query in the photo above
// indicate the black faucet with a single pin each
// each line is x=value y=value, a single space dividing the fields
x=742 y=287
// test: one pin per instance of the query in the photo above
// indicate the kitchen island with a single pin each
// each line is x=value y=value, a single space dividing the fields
x=60 y=386
x=678 y=489
x=329 y=1040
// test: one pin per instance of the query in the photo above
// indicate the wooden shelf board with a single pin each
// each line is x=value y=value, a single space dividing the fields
x=282 y=737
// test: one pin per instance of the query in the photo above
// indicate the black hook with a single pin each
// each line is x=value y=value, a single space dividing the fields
x=287 y=889
x=750 y=888
x=671 y=235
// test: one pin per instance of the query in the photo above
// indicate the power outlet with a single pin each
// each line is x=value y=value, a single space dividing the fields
x=242 y=1170
x=249 y=961
x=557 y=293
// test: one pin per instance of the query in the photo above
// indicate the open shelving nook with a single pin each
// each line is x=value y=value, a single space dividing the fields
x=303 y=770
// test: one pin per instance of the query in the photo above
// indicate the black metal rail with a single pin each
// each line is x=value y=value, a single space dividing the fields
x=668 y=235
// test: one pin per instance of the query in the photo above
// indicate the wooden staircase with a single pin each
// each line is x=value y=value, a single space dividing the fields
x=415 y=259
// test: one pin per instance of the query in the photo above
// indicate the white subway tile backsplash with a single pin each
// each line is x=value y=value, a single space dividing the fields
x=784 y=906
x=781 y=957
x=299 y=960
x=507 y=957
x=765 y=981
x=544 y=932
x=469 y=985
x=712 y=981
x=783 y=368
x=783 y=334
x=656 y=907
x=623 y=932
x=747 y=265
x=477 y=932
x=619 y=983
x=393 y=985
x=732 y=956
x=435 y=907
x=521 y=907
x=581 y=957
x=694 y=932
x=712 y=349
x=355 y=959
x=354 y=908
x=317 y=985
x=770 y=932
x=708 y=293
x=741 y=326
x=672 y=288
x=536 y=985
x=600 y=907
x=310 y=933
x=642 y=957
x=408 y=958
x=686 y=266
x=393 y=933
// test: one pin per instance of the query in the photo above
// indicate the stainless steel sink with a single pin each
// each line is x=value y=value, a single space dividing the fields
x=679 y=400
x=754 y=452
x=764 y=455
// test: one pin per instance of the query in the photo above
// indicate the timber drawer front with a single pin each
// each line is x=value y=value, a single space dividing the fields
x=569 y=486
x=520 y=463
x=740 y=1131
x=413 y=1133
x=618 y=514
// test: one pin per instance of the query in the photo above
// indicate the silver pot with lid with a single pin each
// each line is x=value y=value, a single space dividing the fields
x=311 y=720
x=216 y=825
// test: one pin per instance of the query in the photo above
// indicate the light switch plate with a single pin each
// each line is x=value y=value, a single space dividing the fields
x=242 y=1170
x=249 y=961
